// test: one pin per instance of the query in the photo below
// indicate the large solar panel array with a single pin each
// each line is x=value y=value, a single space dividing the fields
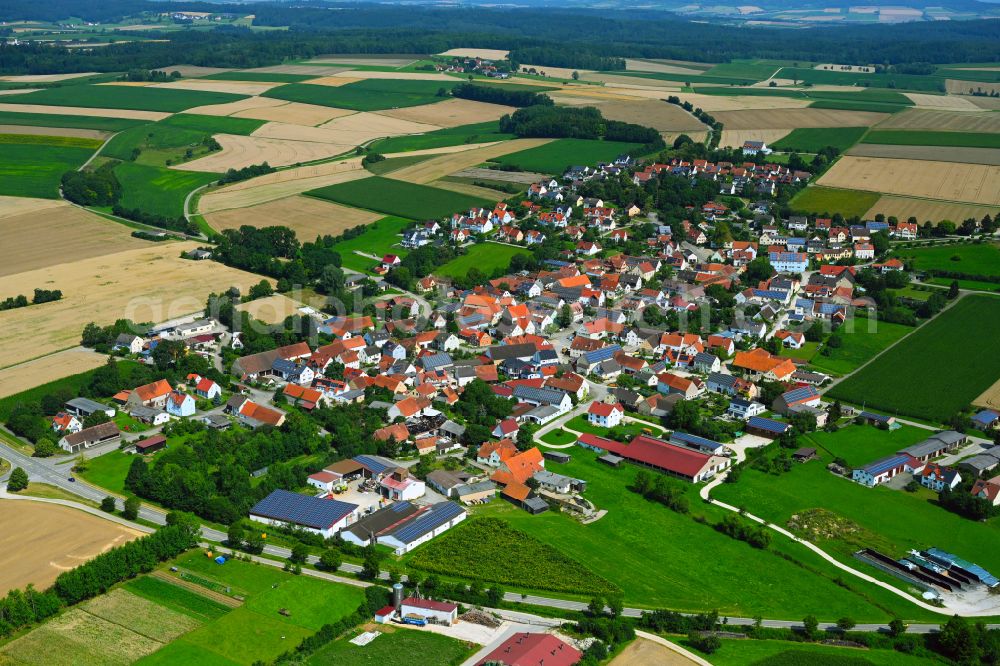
x=767 y=424
x=307 y=510
x=374 y=464
x=437 y=515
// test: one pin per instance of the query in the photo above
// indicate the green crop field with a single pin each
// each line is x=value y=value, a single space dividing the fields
x=123 y=97
x=74 y=122
x=972 y=258
x=393 y=648
x=454 y=136
x=157 y=190
x=932 y=138
x=896 y=81
x=884 y=101
x=788 y=653
x=879 y=517
x=749 y=69
x=176 y=598
x=395 y=163
x=868 y=338
x=487 y=257
x=396 y=197
x=157 y=144
x=693 y=569
x=265 y=77
x=828 y=200
x=932 y=374
x=812 y=140
x=32 y=166
x=556 y=156
x=72 y=384
x=368 y=95
x=213 y=124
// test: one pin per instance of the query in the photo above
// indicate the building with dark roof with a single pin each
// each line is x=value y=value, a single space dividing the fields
x=103 y=433
x=313 y=514
x=422 y=526
x=366 y=529
x=935 y=445
x=765 y=427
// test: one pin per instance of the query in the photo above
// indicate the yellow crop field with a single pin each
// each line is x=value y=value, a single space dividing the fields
x=450 y=113
x=795 y=118
x=949 y=181
x=308 y=217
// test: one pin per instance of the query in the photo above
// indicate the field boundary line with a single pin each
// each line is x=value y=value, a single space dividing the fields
x=218 y=597
x=96 y=153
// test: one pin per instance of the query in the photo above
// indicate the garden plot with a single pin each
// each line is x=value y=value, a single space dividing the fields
x=243 y=151
x=306 y=216
x=949 y=181
x=794 y=118
x=451 y=113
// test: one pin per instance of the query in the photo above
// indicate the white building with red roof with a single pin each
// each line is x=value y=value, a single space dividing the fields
x=604 y=415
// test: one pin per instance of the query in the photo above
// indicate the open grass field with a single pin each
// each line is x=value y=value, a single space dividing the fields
x=950 y=121
x=156 y=144
x=69 y=231
x=381 y=237
x=927 y=210
x=787 y=653
x=109 y=470
x=990 y=156
x=150 y=283
x=685 y=578
x=868 y=338
x=814 y=139
x=487 y=257
x=72 y=383
x=58 y=538
x=272 y=309
x=556 y=156
x=839 y=78
x=882 y=517
x=820 y=200
x=397 y=197
x=453 y=112
x=395 y=647
x=368 y=95
x=949 y=181
x=21 y=377
x=454 y=136
x=796 y=118
x=861 y=444
x=306 y=216
x=78 y=122
x=33 y=165
x=122 y=97
x=158 y=190
x=908 y=378
x=971 y=258
x=933 y=138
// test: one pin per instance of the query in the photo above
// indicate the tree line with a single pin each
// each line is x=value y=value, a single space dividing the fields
x=21 y=301
x=500 y=95
x=577 y=123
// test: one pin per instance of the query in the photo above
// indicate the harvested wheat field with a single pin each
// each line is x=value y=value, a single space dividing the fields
x=736 y=138
x=243 y=151
x=237 y=107
x=302 y=70
x=471 y=190
x=439 y=167
x=932 y=119
x=281 y=184
x=715 y=104
x=358 y=128
x=451 y=113
x=636 y=81
x=643 y=652
x=400 y=76
x=795 y=118
x=986 y=103
x=938 y=153
x=597 y=96
x=950 y=102
x=272 y=309
x=193 y=71
x=85 y=111
x=990 y=397
x=24 y=376
x=306 y=216
x=59 y=538
x=950 y=181
x=521 y=177
x=44 y=78
x=334 y=81
x=635 y=65
x=401 y=60
x=489 y=54
x=660 y=116
x=214 y=85
x=54 y=131
x=69 y=232
x=958 y=87
x=923 y=209
x=20 y=205
x=558 y=72
x=294 y=113
x=146 y=284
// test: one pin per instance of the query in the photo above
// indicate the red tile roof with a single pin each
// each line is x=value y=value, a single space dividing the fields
x=526 y=649
x=652 y=451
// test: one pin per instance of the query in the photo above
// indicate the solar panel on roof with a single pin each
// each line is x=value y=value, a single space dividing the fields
x=290 y=507
x=884 y=465
x=431 y=519
x=696 y=440
x=767 y=424
x=801 y=393
x=373 y=464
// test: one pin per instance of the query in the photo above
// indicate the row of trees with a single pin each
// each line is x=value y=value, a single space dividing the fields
x=21 y=301
x=577 y=123
x=500 y=95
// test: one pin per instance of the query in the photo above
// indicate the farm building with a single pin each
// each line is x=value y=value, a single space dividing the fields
x=559 y=483
x=557 y=456
x=85 y=407
x=765 y=427
x=522 y=496
x=151 y=444
x=661 y=456
x=981 y=463
x=103 y=433
x=986 y=419
x=422 y=526
x=884 y=469
x=439 y=612
x=399 y=485
x=935 y=445
x=696 y=443
x=526 y=649
x=804 y=454
x=321 y=516
x=362 y=532
x=803 y=396
x=483 y=491
x=878 y=420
